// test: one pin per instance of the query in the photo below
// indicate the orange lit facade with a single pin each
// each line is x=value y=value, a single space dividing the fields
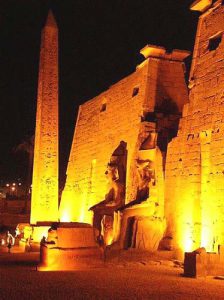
x=44 y=204
x=141 y=112
x=146 y=152
x=195 y=160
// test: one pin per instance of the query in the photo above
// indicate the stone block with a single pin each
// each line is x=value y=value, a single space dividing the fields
x=76 y=248
x=76 y=237
x=202 y=264
x=195 y=264
x=221 y=253
x=59 y=259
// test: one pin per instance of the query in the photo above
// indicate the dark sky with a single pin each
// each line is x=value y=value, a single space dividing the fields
x=99 y=43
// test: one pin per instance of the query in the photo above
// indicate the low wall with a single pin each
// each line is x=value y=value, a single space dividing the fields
x=13 y=206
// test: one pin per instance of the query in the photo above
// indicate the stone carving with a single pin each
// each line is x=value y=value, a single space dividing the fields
x=107 y=225
x=116 y=175
x=149 y=142
x=115 y=196
x=44 y=202
x=146 y=178
x=166 y=243
x=147 y=233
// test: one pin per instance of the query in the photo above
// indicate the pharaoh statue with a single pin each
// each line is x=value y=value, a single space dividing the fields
x=104 y=211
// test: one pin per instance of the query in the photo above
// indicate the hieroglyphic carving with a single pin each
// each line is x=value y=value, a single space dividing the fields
x=44 y=205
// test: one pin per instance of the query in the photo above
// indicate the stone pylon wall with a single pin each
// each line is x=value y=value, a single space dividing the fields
x=44 y=202
x=97 y=134
x=195 y=159
x=103 y=122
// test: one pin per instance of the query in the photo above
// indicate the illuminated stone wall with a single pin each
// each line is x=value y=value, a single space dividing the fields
x=195 y=160
x=119 y=114
x=44 y=204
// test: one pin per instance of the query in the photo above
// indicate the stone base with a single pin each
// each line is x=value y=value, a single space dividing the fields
x=62 y=259
x=75 y=235
x=202 y=263
x=140 y=228
x=137 y=255
x=70 y=247
x=147 y=233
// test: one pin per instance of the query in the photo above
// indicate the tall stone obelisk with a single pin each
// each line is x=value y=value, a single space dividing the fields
x=44 y=201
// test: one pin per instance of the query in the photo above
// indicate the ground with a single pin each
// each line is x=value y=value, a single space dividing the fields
x=115 y=280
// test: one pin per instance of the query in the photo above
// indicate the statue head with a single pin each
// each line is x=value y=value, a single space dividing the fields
x=112 y=172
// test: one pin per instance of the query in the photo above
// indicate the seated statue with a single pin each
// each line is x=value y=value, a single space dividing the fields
x=113 y=199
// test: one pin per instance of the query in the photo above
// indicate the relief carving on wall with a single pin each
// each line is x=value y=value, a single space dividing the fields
x=146 y=178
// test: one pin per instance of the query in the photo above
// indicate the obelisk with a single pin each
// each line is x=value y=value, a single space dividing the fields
x=44 y=200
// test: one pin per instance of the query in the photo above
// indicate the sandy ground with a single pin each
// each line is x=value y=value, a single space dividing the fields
x=134 y=280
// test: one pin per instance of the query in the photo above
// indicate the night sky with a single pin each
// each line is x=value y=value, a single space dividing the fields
x=99 y=43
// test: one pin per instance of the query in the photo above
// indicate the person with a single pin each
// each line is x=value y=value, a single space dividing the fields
x=10 y=238
x=9 y=246
x=10 y=241
x=17 y=231
x=43 y=240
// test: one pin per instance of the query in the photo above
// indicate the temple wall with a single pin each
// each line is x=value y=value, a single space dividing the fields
x=195 y=159
x=167 y=81
x=117 y=115
x=98 y=133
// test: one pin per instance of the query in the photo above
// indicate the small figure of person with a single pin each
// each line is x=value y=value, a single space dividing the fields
x=29 y=243
x=17 y=232
x=43 y=240
x=9 y=246
x=100 y=240
x=10 y=239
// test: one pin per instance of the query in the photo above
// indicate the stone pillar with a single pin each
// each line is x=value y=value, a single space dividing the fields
x=44 y=202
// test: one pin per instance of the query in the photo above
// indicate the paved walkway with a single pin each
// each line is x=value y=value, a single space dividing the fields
x=134 y=280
